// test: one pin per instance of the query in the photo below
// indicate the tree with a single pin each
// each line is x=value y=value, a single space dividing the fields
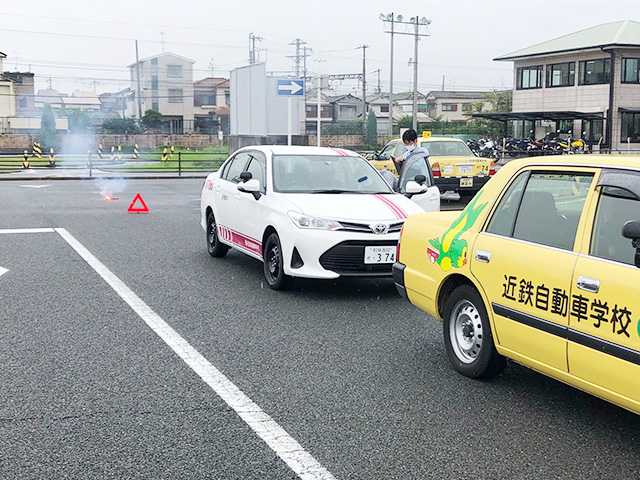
x=48 y=134
x=371 y=129
x=79 y=121
x=127 y=126
x=152 y=119
x=501 y=102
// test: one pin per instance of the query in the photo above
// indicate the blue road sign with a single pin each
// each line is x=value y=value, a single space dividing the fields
x=289 y=88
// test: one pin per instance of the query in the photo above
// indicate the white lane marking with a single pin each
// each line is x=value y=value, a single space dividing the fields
x=288 y=449
x=27 y=230
x=35 y=186
x=3 y=271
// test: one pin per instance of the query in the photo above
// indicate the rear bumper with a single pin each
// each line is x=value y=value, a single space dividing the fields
x=398 y=279
x=452 y=184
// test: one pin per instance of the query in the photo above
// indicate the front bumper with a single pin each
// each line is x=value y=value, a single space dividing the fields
x=398 y=279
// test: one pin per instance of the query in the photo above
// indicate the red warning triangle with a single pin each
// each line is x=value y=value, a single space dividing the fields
x=143 y=209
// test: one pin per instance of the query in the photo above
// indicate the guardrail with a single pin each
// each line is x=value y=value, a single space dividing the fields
x=119 y=162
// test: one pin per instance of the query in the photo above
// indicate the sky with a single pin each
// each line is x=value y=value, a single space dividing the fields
x=72 y=46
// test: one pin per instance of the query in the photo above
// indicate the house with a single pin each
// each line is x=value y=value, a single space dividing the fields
x=24 y=92
x=311 y=111
x=453 y=106
x=7 y=102
x=164 y=83
x=379 y=105
x=346 y=108
x=587 y=81
x=211 y=105
x=405 y=104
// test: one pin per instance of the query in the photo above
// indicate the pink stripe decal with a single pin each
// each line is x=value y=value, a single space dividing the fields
x=399 y=213
x=240 y=240
x=339 y=152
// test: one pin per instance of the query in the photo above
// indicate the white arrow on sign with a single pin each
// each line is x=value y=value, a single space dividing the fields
x=293 y=87
x=3 y=271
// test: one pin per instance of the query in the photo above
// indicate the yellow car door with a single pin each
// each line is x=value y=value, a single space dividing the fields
x=604 y=325
x=524 y=259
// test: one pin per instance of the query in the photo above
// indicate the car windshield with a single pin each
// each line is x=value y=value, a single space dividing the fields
x=447 y=148
x=326 y=174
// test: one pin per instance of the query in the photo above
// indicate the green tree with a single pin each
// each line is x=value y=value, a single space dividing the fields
x=48 y=134
x=501 y=102
x=79 y=121
x=371 y=129
x=127 y=126
x=152 y=119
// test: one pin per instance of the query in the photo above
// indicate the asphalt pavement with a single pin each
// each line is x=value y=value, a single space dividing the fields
x=354 y=374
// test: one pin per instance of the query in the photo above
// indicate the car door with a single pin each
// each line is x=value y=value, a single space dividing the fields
x=418 y=164
x=604 y=325
x=227 y=197
x=524 y=259
x=248 y=208
x=383 y=160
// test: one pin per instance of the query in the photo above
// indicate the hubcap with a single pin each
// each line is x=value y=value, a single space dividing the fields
x=465 y=331
x=274 y=261
x=212 y=234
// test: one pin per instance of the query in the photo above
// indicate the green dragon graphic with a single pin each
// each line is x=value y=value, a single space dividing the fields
x=451 y=251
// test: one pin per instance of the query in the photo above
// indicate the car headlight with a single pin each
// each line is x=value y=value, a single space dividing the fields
x=306 y=221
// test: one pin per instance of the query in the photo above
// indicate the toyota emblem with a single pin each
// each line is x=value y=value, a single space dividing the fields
x=380 y=229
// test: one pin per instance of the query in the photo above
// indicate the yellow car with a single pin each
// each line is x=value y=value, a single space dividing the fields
x=542 y=267
x=455 y=167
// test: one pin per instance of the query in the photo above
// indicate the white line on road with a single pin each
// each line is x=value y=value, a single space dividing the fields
x=27 y=230
x=3 y=271
x=35 y=186
x=288 y=449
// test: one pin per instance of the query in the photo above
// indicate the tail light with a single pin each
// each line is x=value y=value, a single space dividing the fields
x=398 y=246
x=492 y=168
x=435 y=168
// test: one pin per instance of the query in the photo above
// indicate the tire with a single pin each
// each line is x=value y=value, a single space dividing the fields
x=467 y=335
x=214 y=246
x=274 y=264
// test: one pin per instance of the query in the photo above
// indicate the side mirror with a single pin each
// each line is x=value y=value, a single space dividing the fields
x=420 y=179
x=246 y=176
x=250 y=186
x=631 y=230
x=414 y=188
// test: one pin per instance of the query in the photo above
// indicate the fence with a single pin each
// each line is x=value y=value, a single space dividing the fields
x=118 y=162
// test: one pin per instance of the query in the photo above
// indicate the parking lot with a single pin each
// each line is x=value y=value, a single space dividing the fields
x=128 y=352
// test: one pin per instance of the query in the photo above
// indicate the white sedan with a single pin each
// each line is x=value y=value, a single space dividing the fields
x=310 y=212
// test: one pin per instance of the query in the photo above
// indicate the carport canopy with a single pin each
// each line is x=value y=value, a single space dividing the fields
x=553 y=116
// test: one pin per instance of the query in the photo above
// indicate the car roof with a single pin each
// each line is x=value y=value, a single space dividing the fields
x=302 y=150
x=433 y=139
x=592 y=160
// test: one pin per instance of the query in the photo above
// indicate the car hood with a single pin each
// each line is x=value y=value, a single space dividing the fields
x=354 y=207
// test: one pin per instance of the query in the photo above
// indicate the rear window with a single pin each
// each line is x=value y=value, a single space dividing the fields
x=447 y=148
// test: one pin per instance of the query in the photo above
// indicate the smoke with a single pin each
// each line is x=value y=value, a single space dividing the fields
x=110 y=186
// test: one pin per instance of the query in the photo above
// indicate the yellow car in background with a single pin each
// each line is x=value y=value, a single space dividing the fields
x=455 y=167
x=543 y=267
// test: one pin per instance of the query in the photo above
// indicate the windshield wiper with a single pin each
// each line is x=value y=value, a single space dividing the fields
x=332 y=191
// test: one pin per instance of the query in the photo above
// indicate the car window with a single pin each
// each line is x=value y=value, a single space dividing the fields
x=616 y=206
x=385 y=154
x=317 y=173
x=550 y=208
x=501 y=222
x=416 y=166
x=446 y=148
x=235 y=167
x=256 y=168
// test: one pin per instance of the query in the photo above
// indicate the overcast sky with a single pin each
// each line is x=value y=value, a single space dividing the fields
x=78 y=45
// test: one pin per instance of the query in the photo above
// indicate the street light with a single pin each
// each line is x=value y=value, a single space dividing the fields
x=418 y=24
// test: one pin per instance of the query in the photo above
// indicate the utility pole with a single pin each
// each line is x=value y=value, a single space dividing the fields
x=139 y=92
x=378 y=89
x=304 y=56
x=252 y=48
x=364 y=88
x=297 y=58
x=420 y=29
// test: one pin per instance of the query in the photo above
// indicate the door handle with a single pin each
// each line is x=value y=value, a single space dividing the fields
x=483 y=256
x=588 y=284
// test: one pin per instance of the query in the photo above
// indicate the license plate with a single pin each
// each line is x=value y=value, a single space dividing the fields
x=379 y=254
x=466 y=182
x=465 y=169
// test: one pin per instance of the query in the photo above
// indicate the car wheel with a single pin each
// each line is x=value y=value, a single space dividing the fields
x=214 y=246
x=274 y=264
x=467 y=335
